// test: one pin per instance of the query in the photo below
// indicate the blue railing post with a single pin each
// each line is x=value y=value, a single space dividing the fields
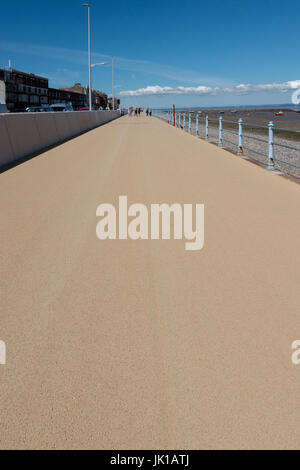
x=220 y=131
x=184 y=121
x=197 y=124
x=206 y=128
x=271 y=165
x=190 y=123
x=240 y=151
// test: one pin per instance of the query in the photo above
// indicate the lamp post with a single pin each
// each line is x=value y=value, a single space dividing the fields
x=99 y=64
x=89 y=47
x=112 y=82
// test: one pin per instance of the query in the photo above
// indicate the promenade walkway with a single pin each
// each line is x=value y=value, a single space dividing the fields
x=140 y=344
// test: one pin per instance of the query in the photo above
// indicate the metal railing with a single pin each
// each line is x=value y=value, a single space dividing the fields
x=184 y=121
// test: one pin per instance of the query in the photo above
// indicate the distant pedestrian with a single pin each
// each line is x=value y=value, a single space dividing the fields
x=139 y=111
x=147 y=112
x=135 y=112
x=150 y=112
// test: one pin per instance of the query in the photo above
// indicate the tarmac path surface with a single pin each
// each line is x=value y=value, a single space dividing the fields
x=123 y=344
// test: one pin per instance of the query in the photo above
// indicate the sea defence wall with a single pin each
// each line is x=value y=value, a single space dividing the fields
x=23 y=134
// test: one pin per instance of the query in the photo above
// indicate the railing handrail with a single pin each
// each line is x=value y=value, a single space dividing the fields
x=248 y=124
x=179 y=120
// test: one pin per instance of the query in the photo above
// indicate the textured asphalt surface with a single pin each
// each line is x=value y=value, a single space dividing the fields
x=126 y=344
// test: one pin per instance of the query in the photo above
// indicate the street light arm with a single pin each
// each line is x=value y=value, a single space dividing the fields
x=99 y=63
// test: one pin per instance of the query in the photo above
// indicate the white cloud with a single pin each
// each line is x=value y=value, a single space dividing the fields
x=166 y=90
x=241 y=89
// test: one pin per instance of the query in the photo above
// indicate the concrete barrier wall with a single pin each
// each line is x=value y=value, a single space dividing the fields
x=23 y=134
x=46 y=126
x=5 y=143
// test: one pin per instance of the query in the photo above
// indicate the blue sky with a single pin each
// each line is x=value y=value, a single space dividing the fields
x=189 y=53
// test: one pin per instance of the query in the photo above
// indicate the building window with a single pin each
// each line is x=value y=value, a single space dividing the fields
x=23 y=98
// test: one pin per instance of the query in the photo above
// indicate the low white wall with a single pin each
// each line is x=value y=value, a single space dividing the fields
x=22 y=134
